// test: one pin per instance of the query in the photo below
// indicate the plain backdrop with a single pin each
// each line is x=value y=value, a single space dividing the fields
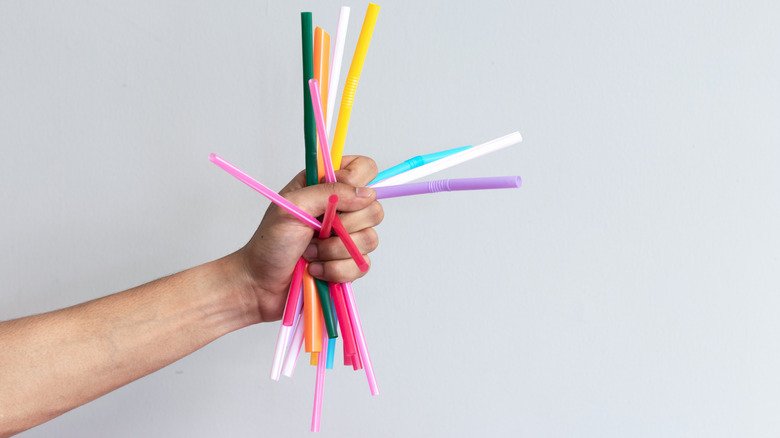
x=629 y=288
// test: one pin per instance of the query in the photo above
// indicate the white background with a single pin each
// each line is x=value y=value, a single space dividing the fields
x=629 y=288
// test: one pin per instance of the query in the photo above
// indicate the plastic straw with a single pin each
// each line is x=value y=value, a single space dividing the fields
x=319 y=117
x=335 y=66
x=321 y=73
x=350 y=244
x=331 y=341
x=265 y=191
x=448 y=185
x=347 y=337
x=415 y=162
x=350 y=86
x=309 y=131
x=331 y=353
x=327 y=219
x=452 y=160
x=312 y=315
x=294 y=294
x=357 y=328
x=319 y=385
x=286 y=332
x=281 y=343
x=326 y=305
x=294 y=350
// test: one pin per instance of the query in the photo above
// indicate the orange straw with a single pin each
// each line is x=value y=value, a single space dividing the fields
x=312 y=314
x=321 y=72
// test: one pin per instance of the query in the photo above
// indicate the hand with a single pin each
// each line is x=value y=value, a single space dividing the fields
x=281 y=239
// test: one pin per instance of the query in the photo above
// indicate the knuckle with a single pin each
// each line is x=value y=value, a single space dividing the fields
x=370 y=164
x=371 y=239
x=377 y=212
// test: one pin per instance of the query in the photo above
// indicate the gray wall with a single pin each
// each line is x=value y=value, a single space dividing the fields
x=636 y=272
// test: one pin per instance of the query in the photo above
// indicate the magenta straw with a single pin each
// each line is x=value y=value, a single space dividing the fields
x=265 y=191
x=448 y=185
x=319 y=384
x=319 y=117
x=357 y=328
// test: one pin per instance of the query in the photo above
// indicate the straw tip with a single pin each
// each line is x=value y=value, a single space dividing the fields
x=213 y=157
x=518 y=181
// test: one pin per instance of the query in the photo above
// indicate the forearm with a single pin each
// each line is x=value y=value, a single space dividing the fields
x=54 y=362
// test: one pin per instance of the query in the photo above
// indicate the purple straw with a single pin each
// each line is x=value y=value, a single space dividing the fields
x=448 y=185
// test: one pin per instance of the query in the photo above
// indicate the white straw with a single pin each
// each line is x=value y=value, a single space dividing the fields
x=452 y=160
x=294 y=349
x=335 y=66
x=281 y=344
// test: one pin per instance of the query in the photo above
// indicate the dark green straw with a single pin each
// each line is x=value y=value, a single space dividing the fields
x=310 y=137
x=309 y=124
x=327 y=307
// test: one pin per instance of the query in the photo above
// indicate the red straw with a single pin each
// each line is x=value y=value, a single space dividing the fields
x=346 y=326
x=351 y=247
x=327 y=220
x=294 y=294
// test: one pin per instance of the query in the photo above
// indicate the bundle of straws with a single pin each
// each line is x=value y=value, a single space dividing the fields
x=315 y=309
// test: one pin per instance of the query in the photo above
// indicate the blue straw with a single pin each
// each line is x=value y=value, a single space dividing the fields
x=415 y=162
x=332 y=344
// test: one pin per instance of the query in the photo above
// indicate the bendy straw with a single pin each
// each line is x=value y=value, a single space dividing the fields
x=265 y=191
x=452 y=160
x=319 y=117
x=360 y=338
x=414 y=162
x=350 y=86
x=448 y=185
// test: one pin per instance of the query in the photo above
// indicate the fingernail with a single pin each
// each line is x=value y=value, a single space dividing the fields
x=316 y=269
x=311 y=252
x=364 y=192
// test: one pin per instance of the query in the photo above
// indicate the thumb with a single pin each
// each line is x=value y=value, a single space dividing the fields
x=314 y=199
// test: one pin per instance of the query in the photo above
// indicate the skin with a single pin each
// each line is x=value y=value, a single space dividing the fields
x=56 y=361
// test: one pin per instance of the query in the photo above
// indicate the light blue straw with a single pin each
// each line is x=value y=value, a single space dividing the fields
x=332 y=345
x=415 y=162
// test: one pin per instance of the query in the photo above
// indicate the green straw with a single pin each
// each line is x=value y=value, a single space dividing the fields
x=327 y=307
x=309 y=124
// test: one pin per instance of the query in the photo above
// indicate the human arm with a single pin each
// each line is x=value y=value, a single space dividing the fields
x=54 y=362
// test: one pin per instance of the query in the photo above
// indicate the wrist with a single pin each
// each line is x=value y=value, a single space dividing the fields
x=227 y=278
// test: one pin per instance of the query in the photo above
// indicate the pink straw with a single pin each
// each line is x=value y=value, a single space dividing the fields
x=359 y=337
x=320 y=382
x=265 y=191
x=319 y=117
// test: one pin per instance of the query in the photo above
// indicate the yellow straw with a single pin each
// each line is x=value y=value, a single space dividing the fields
x=348 y=95
x=321 y=69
